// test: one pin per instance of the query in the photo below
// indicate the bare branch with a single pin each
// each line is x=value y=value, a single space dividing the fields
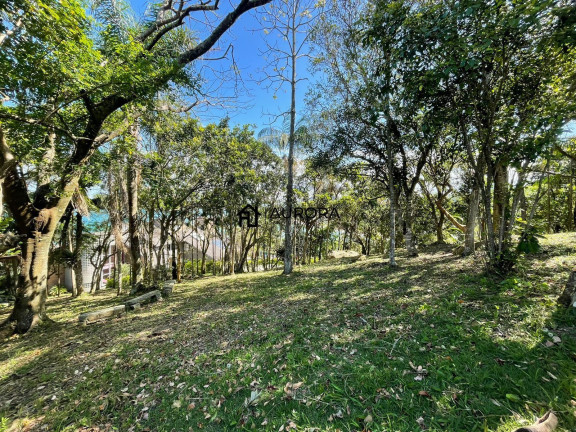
x=180 y=15
x=203 y=47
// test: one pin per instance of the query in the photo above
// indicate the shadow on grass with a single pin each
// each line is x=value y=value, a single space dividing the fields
x=225 y=354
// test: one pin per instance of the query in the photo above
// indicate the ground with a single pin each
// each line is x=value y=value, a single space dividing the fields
x=432 y=345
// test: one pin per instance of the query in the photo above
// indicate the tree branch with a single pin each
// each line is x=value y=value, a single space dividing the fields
x=180 y=15
x=565 y=153
x=203 y=47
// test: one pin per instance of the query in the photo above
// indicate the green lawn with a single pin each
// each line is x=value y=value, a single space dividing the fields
x=433 y=345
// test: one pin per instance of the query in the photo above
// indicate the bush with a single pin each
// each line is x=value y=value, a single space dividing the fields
x=57 y=290
x=505 y=261
x=189 y=269
x=213 y=265
x=528 y=242
x=124 y=274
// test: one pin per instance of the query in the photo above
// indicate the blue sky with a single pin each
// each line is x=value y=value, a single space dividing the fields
x=255 y=103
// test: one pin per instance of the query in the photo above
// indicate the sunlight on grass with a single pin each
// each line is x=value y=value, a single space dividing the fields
x=439 y=345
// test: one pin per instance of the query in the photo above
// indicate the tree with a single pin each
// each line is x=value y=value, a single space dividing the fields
x=67 y=89
x=246 y=171
x=289 y=20
x=509 y=98
x=437 y=172
x=381 y=120
x=488 y=71
x=175 y=173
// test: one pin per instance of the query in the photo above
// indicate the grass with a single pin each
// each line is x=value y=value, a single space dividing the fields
x=434 y=344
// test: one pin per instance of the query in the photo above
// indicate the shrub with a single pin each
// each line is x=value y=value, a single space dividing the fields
x=57 y=290
x=528 y=242
x=504 y=261
x=124 y=274
x=189 y=269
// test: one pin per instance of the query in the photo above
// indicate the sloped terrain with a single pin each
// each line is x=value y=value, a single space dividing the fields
x=432 y=345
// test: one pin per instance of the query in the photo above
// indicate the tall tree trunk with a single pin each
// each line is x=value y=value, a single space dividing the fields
x=117 y=233
x=214 y=254
x=570 y=203
x=247 y=243
x=500 y=195
x=487 y=201
x=409 y=219
x=173 y=263
x=66 y=245
x=305 y=252
x=179 y=262
x=118 y=267
x=78 y=273
x=549 y=205
x=203 y=263
x=523 y=205
x=232 y=252
x=392 y=251
x=71 y=266
x=399 y=217
x=288 y=264
x=151 y=227
x=36 y=222
x=38 y=228
x=256 y=257
x=469 y=233
x=440 y=229
x=133 y=179
x=518 y=195
x=500 y=205
x=160 y=252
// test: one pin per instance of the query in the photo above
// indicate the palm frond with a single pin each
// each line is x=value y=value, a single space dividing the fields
x=117 y=14
x=273 y=137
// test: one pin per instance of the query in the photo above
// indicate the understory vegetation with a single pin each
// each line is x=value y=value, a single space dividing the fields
x=434 y=344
